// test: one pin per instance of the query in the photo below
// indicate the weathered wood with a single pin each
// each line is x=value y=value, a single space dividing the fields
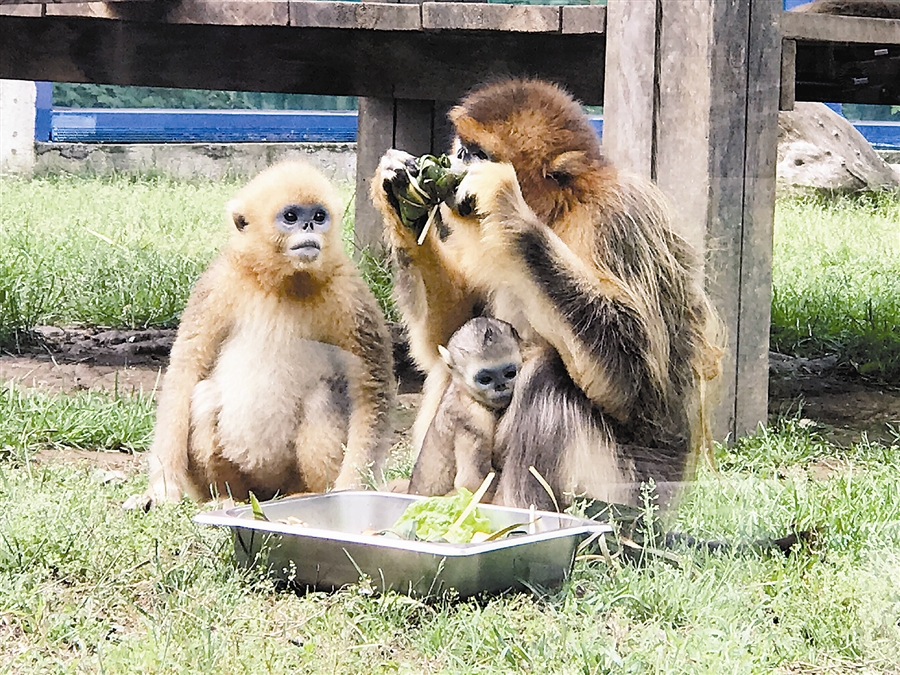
x=481 y=16
x=678 y=111
x=375 y=135
x=825 y=28
x=755 y=306
x=628 y=105
x=31 y=10
x=583 y=19
x=232 y=13
x=428 y=65
x=681 y=154
x=361 y=15
x=413 y=122
x=788 y=74
x=54 y=2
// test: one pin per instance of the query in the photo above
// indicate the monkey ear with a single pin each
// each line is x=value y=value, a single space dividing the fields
x=566 y=166
x=445 y=355
x=234 y=210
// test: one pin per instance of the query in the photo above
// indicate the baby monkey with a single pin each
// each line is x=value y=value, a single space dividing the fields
x=483 y=358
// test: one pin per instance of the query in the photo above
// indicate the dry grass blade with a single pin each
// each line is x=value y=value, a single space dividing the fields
x=473 y=504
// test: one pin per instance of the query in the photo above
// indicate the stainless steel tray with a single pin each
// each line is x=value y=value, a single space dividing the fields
x=331 y=551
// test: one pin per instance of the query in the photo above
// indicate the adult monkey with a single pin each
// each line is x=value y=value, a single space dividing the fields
x=545 y=234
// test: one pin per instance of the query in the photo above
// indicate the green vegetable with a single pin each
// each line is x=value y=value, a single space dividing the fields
x=420 y=197
x=433 y=518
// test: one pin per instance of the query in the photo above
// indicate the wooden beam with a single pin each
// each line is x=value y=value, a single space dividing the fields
x=788 y=74
x=830 y=28
x=630 y=95
x=430 y=65
x=481 y=16
x=360 y=15
x=692 y=103
x=583 y=19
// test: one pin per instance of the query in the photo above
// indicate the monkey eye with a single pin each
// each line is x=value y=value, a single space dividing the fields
x=290 y=216
x=509 y=373
x=469 y=152
x=320 y=216
x=483 y=379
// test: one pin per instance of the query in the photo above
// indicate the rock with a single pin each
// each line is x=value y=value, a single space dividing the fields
x=819 y=149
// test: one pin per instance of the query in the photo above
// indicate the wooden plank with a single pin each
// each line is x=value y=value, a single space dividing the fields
x=764 y=72
x=361 y=15
x=54 y=2
x=727 y=139
x=788 y=74
x=629 y=95
x=230 y=12
x=375 y=135
x=32 y=10
x=681 y=151
x=828 y=28
x=583 y=19
x=482 y=16
x=293 y=60
x=200 y=12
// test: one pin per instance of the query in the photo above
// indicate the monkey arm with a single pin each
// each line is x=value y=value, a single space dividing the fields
x=433 y=298
x=371 y=389
x=204 y=325
x=608 y=332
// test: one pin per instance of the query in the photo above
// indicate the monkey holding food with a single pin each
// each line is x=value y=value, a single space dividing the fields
x=280 y=379
x=582 y=259
x=483 y=358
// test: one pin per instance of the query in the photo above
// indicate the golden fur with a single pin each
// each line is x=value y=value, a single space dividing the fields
x=280 y=379
x=582 y=260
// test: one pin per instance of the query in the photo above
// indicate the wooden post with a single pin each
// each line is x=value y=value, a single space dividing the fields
x=416 y=126
x=714 y=106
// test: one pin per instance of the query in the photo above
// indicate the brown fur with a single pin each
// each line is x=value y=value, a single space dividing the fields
x=280 y=379
x=583 y=261
x=458 y=447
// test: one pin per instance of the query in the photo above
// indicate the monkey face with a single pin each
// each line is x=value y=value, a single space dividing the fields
x=284 y=219
x=539 y=129
x=492 y=384
x=304 y=227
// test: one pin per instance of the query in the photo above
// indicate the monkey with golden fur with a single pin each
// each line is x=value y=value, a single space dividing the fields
x=280 y=379
x=483 y=359
x=582 y=259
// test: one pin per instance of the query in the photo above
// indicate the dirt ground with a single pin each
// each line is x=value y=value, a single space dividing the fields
x=68 y=360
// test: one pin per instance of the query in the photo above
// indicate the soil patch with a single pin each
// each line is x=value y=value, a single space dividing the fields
x=844 y=407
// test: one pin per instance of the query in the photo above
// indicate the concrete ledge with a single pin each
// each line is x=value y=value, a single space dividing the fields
x=192 y=160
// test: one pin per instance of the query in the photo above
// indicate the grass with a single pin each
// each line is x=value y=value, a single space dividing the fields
x=122 y=251
x=836 y=279
x=86 y=587
x=125 y=251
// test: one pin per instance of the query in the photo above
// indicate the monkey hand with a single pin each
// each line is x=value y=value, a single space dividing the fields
x=490 y=193
x=415 y=187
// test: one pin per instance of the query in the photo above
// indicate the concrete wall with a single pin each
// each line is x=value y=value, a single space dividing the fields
x=189 y=160
x=17 y=99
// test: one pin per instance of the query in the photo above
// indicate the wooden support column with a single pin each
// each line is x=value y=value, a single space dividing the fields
x=713 y=103
x=416 y=126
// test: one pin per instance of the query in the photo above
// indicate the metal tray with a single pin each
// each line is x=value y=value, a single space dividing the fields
x=331 y=551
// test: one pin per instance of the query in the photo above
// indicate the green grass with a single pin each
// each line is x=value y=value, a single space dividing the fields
x=836 y=278
x=125 y=251
x=122 y=251
x=85 y=587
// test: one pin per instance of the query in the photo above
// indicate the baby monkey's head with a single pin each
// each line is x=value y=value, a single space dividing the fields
x=484 y=356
